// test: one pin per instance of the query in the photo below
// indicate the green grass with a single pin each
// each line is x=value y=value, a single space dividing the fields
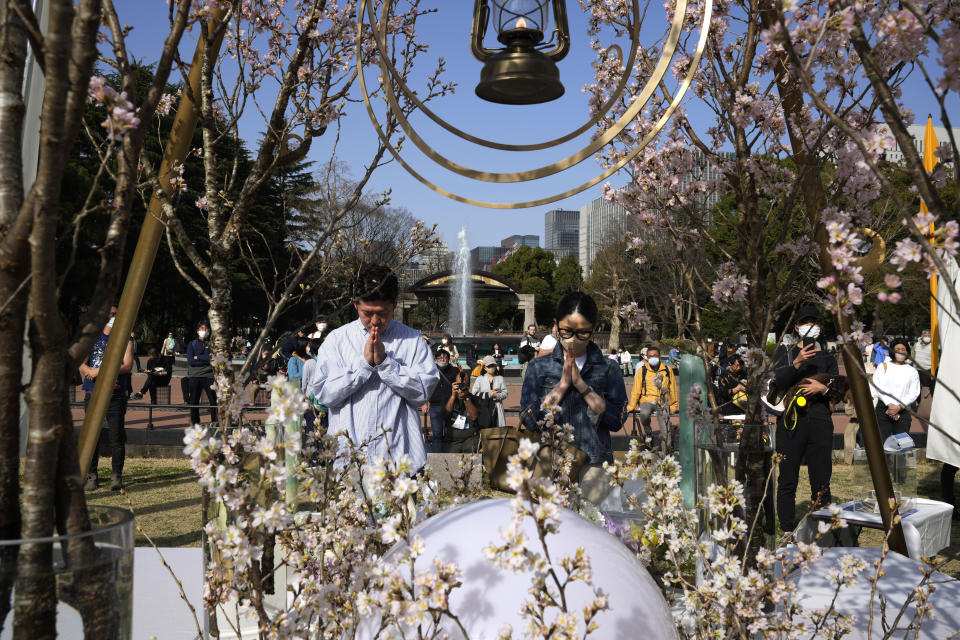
x=165 y=497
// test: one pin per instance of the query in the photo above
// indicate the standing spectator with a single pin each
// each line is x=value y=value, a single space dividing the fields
x=295 y=363
x=136 y=355
x=266 y=367
x=200 y=374
x=446 y=342
x=473 y=355
x=288 y=347
x=880 y=352
x=321 y=326
x=438 y=399
x=674 y=357
x=731 y=388
x=811 y=438
x=158 y=375
x=116 y=410
x=169 y=347
x=497 y=355
x=306 y=380
x=721 y=350
x=460 y=413
x=529 y=348
x=895 y=386
x=491 y=385
x=375 y=373
x=586 y=387
x=613 y=355
x=626 y=362
x=923 y=359
x=654 y=389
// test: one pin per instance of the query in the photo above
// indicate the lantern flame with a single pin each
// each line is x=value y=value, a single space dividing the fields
x=521 y=23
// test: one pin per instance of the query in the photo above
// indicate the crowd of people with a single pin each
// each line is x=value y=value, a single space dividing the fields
x=372 y=379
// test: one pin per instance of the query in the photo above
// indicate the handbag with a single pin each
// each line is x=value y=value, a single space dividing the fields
x=487 y=412
x=499 y=443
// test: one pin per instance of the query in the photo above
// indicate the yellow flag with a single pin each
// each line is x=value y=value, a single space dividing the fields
x=930 y=144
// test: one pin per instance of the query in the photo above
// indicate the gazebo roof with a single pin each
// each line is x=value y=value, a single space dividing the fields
x=485 y=285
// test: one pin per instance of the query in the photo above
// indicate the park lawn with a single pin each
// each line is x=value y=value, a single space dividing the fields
x=166 y=501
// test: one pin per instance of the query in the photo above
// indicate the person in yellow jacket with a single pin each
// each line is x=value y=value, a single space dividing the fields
x=654 y=387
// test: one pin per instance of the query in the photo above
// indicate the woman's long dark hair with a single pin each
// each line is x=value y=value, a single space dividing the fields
x=578 y=302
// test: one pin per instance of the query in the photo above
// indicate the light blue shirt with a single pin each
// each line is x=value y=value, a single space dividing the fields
x=364 y=400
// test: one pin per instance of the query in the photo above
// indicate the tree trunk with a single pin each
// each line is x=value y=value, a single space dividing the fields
x=14 y=230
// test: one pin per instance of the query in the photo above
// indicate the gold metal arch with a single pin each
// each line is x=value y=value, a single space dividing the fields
x=682 y=89
x=663 y=64
x=380 y=41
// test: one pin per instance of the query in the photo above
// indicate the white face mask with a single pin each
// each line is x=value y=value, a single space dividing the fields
x=654 y=361
x=809 y=331
x=444 y=341
x=925 y=339
x=110 y=322
x=321 y=326
x=899 y=357
x=203 y=334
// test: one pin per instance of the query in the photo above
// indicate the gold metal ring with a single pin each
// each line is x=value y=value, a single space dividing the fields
x=588 y=151
x=380 y=40
x=701 y=45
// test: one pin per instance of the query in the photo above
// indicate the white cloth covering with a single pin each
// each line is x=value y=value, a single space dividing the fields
x=943 y=446
x=895 y=384
x=365 y=401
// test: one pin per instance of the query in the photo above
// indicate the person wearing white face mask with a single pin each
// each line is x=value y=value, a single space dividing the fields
x=811 y=437
x=321 y=325
x=895 y=386
x=923 y=360
x=200 y=374
x=654 y=391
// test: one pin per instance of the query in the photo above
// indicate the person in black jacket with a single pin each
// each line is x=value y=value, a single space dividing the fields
x=438 y=399
x=158 y=375
x=811 y=436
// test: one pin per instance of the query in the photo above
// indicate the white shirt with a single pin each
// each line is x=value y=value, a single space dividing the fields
x=895 y=384
x=625 y=357
x=364 y=400
x=921 y=354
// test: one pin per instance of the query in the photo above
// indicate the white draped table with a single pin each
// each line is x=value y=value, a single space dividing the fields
x=926 y=530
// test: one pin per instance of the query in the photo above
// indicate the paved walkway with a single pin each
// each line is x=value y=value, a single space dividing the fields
x=163 y=420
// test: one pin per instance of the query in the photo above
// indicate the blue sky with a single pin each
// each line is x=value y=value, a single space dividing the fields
x=448 y=33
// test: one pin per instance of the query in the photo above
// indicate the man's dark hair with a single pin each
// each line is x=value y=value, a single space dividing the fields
x=315 y=346
x=578 y=302
x=653 y=347
x=376 y=282
x=734 y=359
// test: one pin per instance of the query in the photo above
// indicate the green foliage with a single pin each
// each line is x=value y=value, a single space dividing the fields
x=169 y=302
x=535 y=271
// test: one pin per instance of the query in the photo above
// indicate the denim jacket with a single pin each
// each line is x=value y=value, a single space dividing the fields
x=591 y=431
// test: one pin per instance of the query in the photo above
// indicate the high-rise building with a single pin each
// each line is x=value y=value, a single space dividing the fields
x=485 y=257
x=601 y=224
x=561 y=233
x=527 y=240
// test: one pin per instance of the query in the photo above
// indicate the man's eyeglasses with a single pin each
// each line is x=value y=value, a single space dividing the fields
x=565 y=333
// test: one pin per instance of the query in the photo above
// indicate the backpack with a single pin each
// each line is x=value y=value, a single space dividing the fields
x=526 y=354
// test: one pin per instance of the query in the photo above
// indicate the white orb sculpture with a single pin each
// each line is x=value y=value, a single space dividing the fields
x=491 y=597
